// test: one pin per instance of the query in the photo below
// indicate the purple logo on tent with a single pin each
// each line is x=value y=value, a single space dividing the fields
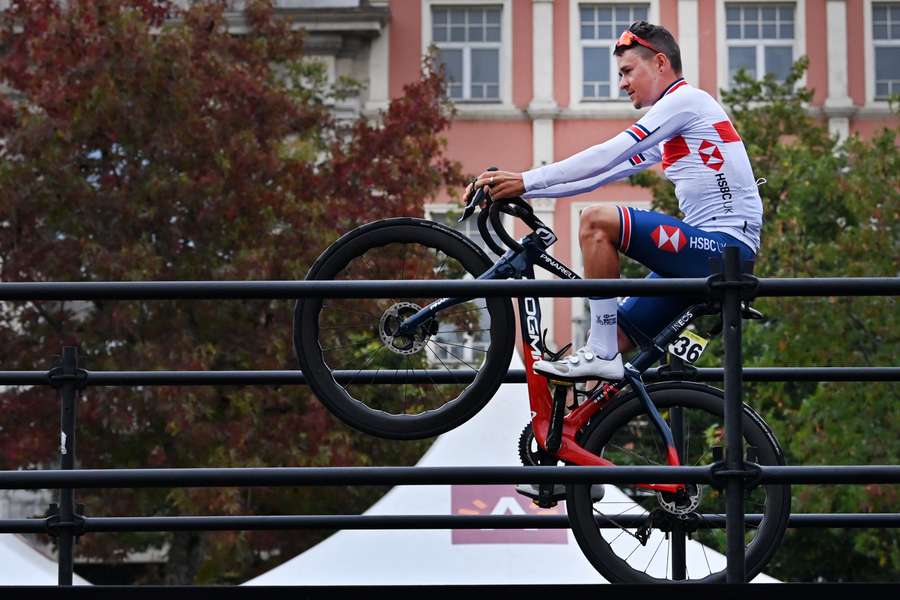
x=501 y=500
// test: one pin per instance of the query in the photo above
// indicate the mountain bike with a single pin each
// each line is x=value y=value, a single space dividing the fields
x=463 y=346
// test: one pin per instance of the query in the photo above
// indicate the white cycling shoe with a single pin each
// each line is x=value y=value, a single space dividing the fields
x=581 y=365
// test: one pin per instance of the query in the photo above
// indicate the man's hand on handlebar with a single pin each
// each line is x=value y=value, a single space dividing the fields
x=502 y=184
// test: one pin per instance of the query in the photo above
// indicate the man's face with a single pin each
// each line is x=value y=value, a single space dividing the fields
x=640 y=77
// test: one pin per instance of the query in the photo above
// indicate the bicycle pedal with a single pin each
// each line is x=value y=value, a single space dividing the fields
x=559 y=492
x=532 y=491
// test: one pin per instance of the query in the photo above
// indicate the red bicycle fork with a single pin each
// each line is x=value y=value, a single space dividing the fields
x=570 y=450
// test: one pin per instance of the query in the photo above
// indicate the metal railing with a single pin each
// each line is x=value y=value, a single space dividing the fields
x=731 y=286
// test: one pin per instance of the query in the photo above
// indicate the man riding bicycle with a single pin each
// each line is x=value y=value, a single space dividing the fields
x=701 y=153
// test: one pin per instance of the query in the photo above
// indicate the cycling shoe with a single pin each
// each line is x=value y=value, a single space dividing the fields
x=581 y=365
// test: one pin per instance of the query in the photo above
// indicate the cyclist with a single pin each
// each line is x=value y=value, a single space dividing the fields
x=701 y=153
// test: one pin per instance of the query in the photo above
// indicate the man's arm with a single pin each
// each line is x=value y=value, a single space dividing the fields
x=633 y=165
x=665 y=119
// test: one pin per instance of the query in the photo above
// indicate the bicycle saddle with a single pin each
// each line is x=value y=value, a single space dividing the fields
x=747 y=312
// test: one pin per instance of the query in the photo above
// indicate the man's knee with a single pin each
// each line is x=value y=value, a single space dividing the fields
x=599 y=224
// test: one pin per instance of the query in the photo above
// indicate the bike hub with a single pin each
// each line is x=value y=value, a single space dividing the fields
x=683 y=502
x=404 y=343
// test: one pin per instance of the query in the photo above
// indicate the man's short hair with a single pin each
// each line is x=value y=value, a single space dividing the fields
x=658 y=37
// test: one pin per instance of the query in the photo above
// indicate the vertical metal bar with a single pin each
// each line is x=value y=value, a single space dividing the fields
x=679 y=539
x=68 y=392
x=734 y=439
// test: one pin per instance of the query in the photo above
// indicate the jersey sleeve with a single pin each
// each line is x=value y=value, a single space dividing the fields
x=633 y=165
x=670 y=115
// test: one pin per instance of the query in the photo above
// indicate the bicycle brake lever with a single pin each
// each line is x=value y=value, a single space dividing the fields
x=478 y=196
x=476 y=199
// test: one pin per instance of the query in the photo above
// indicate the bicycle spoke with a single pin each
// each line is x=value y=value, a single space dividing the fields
x=666 y=572
x=355 y=345
x=366 y=364
x=405 y=405
x=460 y=312
x=703 y=549
x=449 y=370
x=461 y=346
x=375 y=375
x=646 y=460
x=621 y=533
x=456 y=357
x=368 y=324
x=640 y=545
x=650 y=562
x=460 y=331
x=433 y=382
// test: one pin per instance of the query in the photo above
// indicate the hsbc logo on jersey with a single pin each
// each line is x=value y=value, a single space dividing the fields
x=669 y=238
x=711 y=155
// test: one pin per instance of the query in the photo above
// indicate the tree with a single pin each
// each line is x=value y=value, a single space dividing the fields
x=831 y=210
x=143 y=147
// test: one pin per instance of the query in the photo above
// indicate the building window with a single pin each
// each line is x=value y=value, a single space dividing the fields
x=886 y=33
x=760 y=39
x=468 y=39
x=601 y=25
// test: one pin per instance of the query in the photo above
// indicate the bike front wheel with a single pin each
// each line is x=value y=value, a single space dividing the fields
x=635 y=535
x=359 y=337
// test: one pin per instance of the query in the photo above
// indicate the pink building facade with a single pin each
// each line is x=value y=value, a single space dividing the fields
x=534 y=82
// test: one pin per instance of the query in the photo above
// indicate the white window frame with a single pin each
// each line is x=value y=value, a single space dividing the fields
x=505 y=66
x=576 y=66
x=613 y=71
x=722 y=42
x=868 y=31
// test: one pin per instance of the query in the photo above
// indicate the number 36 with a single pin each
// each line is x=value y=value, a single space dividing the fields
x=684 y=348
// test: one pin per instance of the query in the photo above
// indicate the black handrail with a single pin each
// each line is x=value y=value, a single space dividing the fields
x=731 y=286
x=244 y=290
x=150 y=378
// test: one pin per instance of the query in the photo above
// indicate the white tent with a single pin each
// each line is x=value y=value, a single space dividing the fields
x=441 y=557
x=20 y=564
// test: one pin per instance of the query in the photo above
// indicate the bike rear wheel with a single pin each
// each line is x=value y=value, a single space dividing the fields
x=625 y=435
x=358 y=335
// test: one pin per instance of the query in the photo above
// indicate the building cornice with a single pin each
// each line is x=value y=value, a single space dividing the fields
x=365 y=21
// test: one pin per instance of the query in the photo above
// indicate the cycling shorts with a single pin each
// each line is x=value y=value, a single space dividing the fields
x=670 y=248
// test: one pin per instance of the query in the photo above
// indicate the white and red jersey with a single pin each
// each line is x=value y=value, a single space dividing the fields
x=701 y=153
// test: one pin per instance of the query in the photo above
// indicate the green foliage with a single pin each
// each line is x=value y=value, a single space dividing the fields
x=138 y=147
x=831 y=210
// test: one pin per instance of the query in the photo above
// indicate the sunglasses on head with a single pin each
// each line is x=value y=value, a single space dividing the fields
x=628 y=38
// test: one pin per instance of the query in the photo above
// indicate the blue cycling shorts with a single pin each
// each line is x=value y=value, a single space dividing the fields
x=670 y=248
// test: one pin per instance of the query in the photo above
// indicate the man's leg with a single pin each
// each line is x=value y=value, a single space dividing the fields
x=600 y=237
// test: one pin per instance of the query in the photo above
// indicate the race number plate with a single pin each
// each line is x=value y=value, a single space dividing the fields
x=689 y=346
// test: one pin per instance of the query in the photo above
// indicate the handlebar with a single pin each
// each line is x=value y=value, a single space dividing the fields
x=517 y=207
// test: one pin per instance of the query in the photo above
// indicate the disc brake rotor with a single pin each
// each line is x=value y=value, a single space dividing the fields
x=682 y=503
x=405 y=344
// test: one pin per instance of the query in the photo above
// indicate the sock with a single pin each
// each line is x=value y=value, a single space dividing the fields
x=603 y=340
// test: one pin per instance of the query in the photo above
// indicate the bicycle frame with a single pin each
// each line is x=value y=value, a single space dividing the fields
x=518 y=263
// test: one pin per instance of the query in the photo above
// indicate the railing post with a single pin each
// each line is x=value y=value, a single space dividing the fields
x=734 y=438
x=68 y=392
x=679 y=537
